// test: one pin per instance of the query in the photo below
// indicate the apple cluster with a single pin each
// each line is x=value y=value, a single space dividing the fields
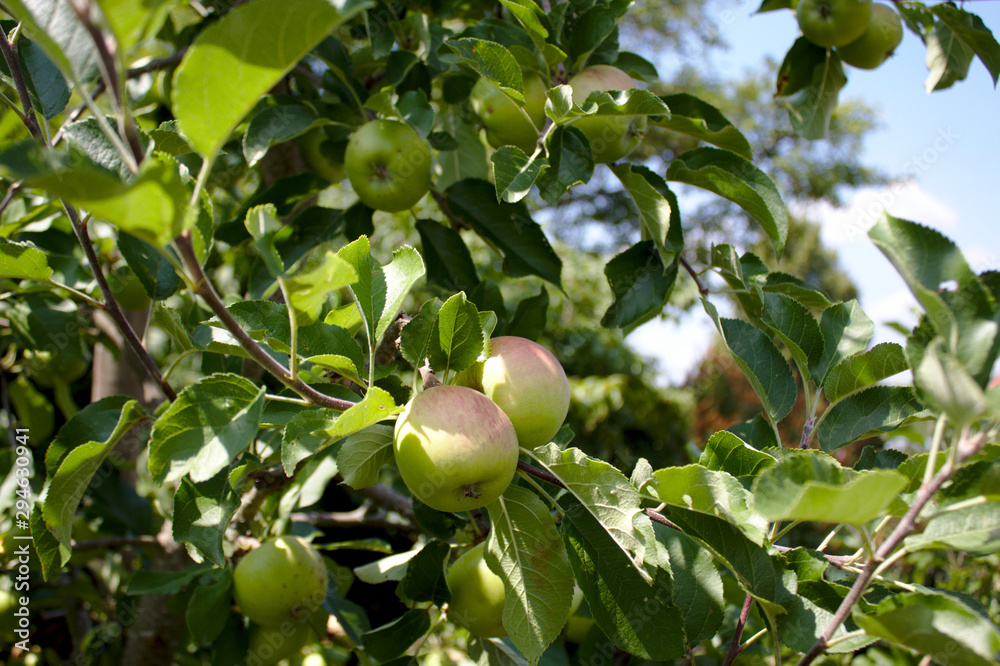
x=864 y=33
x=278 y=586
x=456 y=446
x=611 y=137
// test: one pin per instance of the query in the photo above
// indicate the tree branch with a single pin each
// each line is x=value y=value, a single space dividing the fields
x=967 y=446
x=734 y=647
x=14 y=65
x=113 y=309
x=204 y=288
x=702 y=289
x=539 y=474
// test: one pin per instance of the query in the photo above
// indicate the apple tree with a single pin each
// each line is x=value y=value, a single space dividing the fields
x=269 y=398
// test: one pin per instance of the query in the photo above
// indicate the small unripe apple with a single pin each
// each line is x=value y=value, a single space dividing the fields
x=388 y=164
x=505 y=121
x=477 y=595
x=528 y=384
x=829 y=23
x=611 y=137
x=455 y=448
x=877 y=43
x=282 y=581
x=317 y=150
x=269 y=645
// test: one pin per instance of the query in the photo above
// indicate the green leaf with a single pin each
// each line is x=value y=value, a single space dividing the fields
x=809 y=612
x=641 y=285
x=947 y=385
x=756 y=432
x=872 y=411
x=391 y=640
x=590 y=29
x=492 y=61
x=935 y=624
x=309 y=290
x=658 y=209
x=303 y=436
x=380 y=290
x=725 y=451
x=169 y=140
x=77 y=467
x=514 y=173
x=449 y=263
x=208 y=608
x=809 y=485
x=47 y=547
x=507 y=227
x=23 y=261
x=457 y=337
x=200 y=433
x=87 y=136
x=697 y=585
x=807 y=294
x=526 y=551
x=152 y=268
x=46 y=85
x=571 y=162
x=635 y=611
x=239 y=58
x=948 y=58
x=377 y=405
x=960 y=308
x=809 y=83
x=973 y=529
x=275 y=124
x=735 y=178
x=863 y=369
x=494 y=652
x=363 y=454
x=603 y=492
x=971 y=30
x=529 y=316
x=711 y=492
x=846 y=330
x=748 y=561
x=424 y=579
x=761 y=363
x=55 y=26
x=202 y=512
x=95 y=422
x=796 y=327
x=699 y=119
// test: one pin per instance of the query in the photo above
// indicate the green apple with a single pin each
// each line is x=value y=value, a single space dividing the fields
x=477 y=595
x=314 y=659
x=388 y=164
x=455 y=448
x=506 y=122
x=611 y=137
x=319 y=152
x=269 y=645
x=282 y=581
x=830 y=23
x=877 y=43
x=528 y=384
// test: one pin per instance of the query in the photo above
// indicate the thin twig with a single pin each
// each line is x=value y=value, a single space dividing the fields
x=658 y=517
x=114 y=310
x=734 y=647
x=14 y=66
x=702 y=289
x=967 y=447
x=539 y=473
x=204 y=288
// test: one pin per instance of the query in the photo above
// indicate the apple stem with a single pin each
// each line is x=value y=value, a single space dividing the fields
x=427 y=375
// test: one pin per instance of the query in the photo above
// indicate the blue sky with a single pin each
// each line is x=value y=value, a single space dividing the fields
x=946 y=145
